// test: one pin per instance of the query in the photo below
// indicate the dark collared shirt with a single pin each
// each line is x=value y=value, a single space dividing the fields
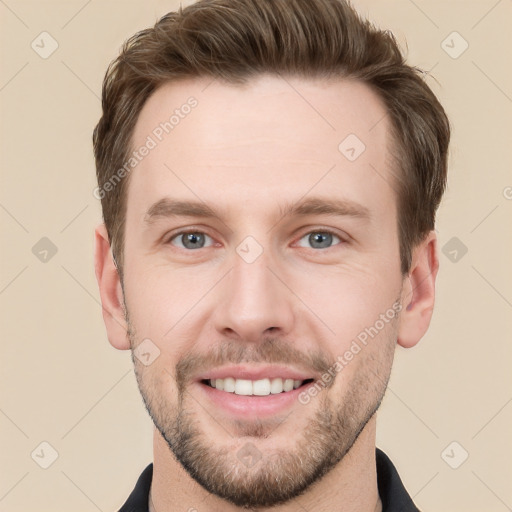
x=392 y=492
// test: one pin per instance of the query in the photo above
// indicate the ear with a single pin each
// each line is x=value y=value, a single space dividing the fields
x=418 y=292
x=111 y=292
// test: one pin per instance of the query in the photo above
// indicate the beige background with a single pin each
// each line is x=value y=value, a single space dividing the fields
x=61 y=382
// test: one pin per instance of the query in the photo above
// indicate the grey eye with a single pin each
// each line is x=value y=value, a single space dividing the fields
x=191 y=240
x=318 y=240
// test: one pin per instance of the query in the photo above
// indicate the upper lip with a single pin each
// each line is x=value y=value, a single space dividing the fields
x=251 y=372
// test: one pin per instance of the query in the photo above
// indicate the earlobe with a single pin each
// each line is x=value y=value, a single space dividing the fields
x=110 y=291
x=418 y=292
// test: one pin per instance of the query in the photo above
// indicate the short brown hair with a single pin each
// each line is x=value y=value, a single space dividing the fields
x=234 y=40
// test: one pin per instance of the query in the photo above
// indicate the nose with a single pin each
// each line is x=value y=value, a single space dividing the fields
x=254 y=301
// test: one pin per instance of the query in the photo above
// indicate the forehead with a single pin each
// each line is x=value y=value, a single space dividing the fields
x=251 y=144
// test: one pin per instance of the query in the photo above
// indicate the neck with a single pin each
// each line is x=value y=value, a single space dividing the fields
x=351 y=486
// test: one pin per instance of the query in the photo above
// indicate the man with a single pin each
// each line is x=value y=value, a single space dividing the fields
x=269 y=172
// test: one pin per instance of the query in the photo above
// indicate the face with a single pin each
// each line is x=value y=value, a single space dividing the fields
x=262 y=264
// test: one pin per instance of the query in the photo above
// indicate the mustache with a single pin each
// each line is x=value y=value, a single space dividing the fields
x=270 y=350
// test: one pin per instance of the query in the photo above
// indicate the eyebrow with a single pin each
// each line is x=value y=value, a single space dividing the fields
x=320 y=206
x=168 y=208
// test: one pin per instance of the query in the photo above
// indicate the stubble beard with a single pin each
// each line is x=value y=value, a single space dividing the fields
x=279 y=476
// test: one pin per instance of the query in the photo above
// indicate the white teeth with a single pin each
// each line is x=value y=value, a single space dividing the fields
x=229 y=384
x=262 y=387
x=243 y=387
x=288 y=385
x=276 y=386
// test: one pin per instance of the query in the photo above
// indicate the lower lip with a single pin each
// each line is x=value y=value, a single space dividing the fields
x=252 y=407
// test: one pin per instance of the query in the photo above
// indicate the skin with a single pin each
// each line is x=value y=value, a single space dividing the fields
x=247 y=151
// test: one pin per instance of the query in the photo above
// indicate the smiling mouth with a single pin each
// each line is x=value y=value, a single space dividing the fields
x=260 y=387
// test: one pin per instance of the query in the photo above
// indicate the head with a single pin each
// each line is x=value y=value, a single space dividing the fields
x=269 y=173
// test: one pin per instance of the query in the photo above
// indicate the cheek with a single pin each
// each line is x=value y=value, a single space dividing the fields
x=358 y=307
x=156 y=311
x=347 y=300
x=158 y=388
x=364 y=365
x=155 y=299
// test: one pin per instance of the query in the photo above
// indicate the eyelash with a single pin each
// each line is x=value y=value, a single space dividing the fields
x=343 y=240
